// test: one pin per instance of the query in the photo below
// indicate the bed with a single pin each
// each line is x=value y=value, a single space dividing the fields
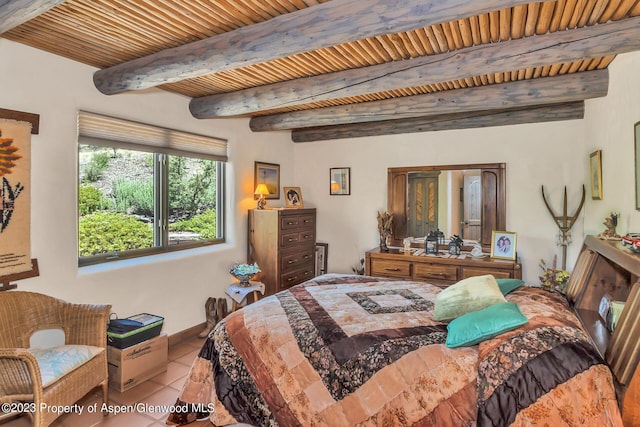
x=344 y=350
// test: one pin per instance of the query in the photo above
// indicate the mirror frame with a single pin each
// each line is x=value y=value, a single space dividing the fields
x=493 y=216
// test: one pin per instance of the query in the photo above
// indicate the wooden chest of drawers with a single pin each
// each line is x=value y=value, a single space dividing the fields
x=282 y=242
x=436 y=270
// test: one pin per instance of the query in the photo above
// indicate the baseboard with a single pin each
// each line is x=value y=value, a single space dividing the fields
x=186 y=334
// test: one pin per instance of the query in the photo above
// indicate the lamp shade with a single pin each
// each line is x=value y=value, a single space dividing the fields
x=261 y=190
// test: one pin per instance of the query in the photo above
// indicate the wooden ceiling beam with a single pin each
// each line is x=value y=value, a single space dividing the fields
x=474 y=119
x=540 y=91
x=553 y=48
x=316 y=27
x=16 y=12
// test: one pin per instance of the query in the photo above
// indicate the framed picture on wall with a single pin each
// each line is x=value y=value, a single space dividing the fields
x=595 y=162
x=503 y=245
x=268 y=174
x=340 y=181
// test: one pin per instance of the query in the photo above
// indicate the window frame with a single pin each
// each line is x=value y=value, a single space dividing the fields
x=161 y=199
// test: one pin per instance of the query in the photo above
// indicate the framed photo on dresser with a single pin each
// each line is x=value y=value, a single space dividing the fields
x=503 y=245
x=293 y=197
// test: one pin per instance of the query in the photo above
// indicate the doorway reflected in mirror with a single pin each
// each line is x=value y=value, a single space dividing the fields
x=463 y=200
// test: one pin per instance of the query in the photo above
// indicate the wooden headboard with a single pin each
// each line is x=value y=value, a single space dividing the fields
x=607 y=267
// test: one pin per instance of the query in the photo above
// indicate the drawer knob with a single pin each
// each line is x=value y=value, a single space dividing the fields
x=391 y=269
x=290 y=240
x=291 y=223
x=436 y=274
x=291 y=279
x=291 y=261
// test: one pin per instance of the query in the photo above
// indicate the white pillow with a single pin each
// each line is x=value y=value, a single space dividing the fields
x=466 y=296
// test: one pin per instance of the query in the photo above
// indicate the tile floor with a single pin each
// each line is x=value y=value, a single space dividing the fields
x=160 y=390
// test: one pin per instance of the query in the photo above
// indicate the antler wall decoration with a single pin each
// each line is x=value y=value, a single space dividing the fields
x=564 y=222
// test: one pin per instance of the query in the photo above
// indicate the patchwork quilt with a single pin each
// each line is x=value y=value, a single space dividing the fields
x=347 y=350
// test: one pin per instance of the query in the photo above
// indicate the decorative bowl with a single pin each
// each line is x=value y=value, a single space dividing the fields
x=244 y=273
x=244 y=278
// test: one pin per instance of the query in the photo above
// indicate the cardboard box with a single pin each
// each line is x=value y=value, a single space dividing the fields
x=133 y=365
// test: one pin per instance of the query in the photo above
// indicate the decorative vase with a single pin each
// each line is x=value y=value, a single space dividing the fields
x=244 y=273
x=244 y=279
x=383 y=244
x=385 y=220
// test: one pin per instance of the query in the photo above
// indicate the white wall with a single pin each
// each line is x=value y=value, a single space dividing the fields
x=536 y=154
x=551 y=154
x=175 y=285
x=610 y=122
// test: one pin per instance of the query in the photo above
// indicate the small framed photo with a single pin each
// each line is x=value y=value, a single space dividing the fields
x=322 y=251
x=340 y=181
x=595 y=160
x=503 y=245
x=293 y=197
x=268 y=174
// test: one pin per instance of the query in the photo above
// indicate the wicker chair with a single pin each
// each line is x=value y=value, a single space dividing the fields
x=22 y=314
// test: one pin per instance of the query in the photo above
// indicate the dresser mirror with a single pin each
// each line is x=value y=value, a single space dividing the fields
x=465 y=200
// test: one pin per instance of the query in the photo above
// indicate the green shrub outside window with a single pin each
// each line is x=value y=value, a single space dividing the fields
x=136 y=201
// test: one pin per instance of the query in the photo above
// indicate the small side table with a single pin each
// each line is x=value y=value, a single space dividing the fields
x=239 y=293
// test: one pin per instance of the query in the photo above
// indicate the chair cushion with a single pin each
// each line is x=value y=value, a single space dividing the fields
x=56 y=362
x=478 y=326
x=471 y=294
x=509 y=285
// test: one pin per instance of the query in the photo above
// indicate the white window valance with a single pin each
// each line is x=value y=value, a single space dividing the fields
x=97 y=129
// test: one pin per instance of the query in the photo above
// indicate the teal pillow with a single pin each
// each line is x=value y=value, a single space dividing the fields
x=509 y=285
x=471 y=294
x=478 y=326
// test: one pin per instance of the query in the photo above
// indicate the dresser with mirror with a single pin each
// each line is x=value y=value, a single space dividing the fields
x=464 y=200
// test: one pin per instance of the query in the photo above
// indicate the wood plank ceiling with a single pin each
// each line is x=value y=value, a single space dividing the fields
x=344 y=68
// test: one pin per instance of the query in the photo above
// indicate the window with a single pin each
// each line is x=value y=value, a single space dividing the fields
x=144 y=190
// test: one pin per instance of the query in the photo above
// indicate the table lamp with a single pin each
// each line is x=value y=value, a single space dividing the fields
x=261 y=191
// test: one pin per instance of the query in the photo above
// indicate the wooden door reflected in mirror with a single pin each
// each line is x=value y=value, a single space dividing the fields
x=423 y=203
